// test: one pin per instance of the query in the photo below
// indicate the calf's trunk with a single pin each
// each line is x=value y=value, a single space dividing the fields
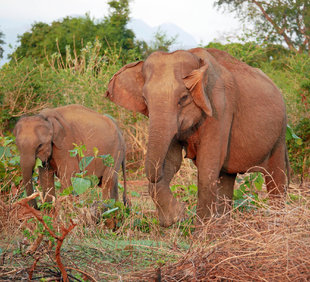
x=27 y=165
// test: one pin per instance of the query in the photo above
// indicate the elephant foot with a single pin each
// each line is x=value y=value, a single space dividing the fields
x=171 y=214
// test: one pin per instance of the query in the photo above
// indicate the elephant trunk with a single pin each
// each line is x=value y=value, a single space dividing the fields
x=161 y=133
x=27 y=163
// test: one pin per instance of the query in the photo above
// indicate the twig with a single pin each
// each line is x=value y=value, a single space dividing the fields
x=24 y=203
x=83 y=272
x=31 y=270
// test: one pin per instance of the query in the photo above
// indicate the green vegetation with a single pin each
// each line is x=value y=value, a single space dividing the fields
x=45 y=40
x=54 y=67
x=1 y=43
x=275 y=21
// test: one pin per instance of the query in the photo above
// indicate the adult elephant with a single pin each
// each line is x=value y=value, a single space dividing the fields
x=228 y=116
x=50 y=135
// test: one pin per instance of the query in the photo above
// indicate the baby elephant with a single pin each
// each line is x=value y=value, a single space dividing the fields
x=50 y=135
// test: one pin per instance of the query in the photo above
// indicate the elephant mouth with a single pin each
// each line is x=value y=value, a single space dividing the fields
x=183 y=135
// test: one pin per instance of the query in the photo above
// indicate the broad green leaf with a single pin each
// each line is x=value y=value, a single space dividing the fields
x=81 y=174
x=290 y=134
x=107 y=160
x=238 y=194
x=80 y=185
x=38 y=163
x=67 y=191
x=93 y=179
x=110 y=211
x=84 y=163
x=73 y=152
x=259 y=182
x=14 y=160
x=8 y=140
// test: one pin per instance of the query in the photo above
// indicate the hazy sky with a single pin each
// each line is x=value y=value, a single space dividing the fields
x=197 y=17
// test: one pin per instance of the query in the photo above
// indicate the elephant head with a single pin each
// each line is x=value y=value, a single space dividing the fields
x=170 y=89
x=35 y=137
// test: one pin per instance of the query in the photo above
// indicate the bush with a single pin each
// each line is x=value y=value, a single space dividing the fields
x=26 y=88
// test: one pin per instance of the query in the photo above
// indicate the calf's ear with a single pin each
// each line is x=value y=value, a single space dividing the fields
x=125 y=88
x=58 y=132
x=59 y=126
x=196 y=82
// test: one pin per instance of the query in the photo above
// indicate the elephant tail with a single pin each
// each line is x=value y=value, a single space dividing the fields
x=126 y=200
x=288 y=169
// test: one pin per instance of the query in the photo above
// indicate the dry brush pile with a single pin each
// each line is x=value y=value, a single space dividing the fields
x=261 y=245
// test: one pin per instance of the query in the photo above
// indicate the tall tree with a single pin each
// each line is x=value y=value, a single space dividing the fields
x=275 y=21
x=114 y=26
x=44 y=39
x=1 y=43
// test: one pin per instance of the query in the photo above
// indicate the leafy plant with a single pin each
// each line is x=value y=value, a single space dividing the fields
x=187 y=194
x=9 y=163
x=299 y=148
x=81 y=182
x=246 y=196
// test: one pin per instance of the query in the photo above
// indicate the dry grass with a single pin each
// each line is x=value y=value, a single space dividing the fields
x=261 y=245
x=264 y=244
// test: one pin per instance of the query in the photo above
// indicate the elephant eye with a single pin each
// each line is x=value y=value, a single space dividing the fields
x=183 y=99
x=39 y=147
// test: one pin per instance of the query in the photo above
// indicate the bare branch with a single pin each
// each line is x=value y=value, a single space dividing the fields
x=65 y=231
x=280 y=31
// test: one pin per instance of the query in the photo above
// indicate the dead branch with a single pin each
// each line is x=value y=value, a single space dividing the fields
x=82 y=272
x=31 y=270
x=65 y=231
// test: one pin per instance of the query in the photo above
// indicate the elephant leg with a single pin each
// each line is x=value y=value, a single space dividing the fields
x=168 y=208
x=275 y=177
x=109 y=184
x=46 y=176
x=209 y=166
x=207 y=194
x=225 y=192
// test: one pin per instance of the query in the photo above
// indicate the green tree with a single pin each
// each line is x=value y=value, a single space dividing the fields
x=114 y=26
x=44 y=39
x=275 y=21
x=160 y=42
x=1 y=43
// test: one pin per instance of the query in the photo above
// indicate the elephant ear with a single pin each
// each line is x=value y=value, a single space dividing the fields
x=125 y=88
x=16 y=129
x=195 y=82
x=58 y=124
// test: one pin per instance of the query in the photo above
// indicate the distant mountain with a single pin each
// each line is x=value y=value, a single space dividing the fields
x=145 y=32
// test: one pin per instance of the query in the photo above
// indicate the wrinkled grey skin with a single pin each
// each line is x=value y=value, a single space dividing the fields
x=228 y=116
x=50 y=135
